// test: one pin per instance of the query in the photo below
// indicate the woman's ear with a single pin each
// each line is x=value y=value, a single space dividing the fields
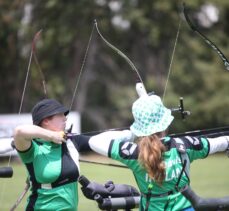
x=44 y=123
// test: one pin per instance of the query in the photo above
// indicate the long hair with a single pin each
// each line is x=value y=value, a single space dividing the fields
x=151 y=156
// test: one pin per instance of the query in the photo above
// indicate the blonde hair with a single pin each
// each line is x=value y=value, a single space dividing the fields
x=151 y=156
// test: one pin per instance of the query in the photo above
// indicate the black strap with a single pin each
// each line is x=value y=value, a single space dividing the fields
x=66 y=176
x=148 y=196
x=166 y=205
x=158 y=195
x=179 y=178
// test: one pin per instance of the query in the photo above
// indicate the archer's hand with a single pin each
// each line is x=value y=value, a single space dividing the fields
x=58 y=137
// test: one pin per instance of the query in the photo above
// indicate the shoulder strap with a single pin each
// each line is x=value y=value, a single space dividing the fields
x=180 y=146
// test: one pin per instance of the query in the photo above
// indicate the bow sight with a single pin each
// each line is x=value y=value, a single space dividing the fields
x=181 y=109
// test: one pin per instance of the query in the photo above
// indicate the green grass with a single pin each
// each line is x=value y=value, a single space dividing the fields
x=209 y=178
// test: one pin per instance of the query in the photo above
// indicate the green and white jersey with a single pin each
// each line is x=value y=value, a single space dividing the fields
x=53 y=172
x=127 y=153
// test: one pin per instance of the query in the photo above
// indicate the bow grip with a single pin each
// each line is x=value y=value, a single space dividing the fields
x=140 y=89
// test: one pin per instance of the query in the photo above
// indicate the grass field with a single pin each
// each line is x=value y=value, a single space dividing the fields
x=209 y=178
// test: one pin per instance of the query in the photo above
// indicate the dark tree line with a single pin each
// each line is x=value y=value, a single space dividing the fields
x=144 y=30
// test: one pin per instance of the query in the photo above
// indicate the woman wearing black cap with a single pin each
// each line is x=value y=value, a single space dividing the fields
x=51 y=161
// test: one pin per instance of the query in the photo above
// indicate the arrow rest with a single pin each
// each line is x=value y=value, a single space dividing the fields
x=181 y=109
x=69 y=130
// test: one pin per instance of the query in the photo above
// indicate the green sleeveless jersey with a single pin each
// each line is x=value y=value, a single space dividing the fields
x=53 y=172
x=127 y=153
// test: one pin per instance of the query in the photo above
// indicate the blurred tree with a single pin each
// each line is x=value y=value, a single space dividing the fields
x=11 y=13
x=145 y=31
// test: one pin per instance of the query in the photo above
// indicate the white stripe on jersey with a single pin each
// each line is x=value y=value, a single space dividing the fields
x=73 y=153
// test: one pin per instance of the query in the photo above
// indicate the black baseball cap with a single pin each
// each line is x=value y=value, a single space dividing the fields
x=46 y=108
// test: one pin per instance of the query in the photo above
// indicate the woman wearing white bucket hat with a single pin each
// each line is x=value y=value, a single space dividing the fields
x=160 y=164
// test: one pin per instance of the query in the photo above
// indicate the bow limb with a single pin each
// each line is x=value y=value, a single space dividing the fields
x=32 y=53
x=139 y=88
x=139 y=85
x=36 y=37
x=209 y=42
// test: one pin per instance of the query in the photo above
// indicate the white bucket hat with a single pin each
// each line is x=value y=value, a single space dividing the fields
x=150 y=116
